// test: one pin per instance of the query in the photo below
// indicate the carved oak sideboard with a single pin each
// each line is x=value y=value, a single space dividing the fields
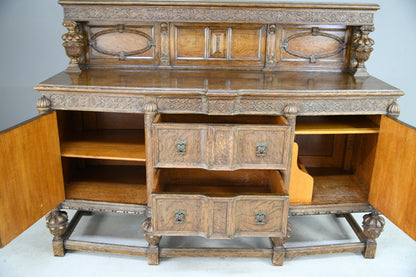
x=212 y=119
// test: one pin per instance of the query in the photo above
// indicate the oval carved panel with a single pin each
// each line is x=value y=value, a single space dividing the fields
x=320 y=45
x=121 y=42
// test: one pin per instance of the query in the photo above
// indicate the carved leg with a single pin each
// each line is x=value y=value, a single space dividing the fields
x=57 y=222
x=153 y=249
x=278 y=248
x=373 y=225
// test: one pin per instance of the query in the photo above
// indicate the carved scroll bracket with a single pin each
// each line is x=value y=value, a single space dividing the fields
x=362 y=46
x=74 y=45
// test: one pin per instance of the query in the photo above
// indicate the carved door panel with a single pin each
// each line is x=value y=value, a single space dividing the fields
x=393 y=184
x=31 y=181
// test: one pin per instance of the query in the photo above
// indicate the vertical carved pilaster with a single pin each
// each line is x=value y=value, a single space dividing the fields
x=164 y=43
x=150 y=110
x=362 y=46
x=393 y=110
x=43 y=105
x=153 y=250
x=373 y=225
x=57 y=222
x=290 y=111
x=271 y=45
x=74 y=45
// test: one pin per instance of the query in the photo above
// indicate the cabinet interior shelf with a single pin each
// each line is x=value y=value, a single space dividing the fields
x=315 y=125
x=122 y=184
x=125 y=145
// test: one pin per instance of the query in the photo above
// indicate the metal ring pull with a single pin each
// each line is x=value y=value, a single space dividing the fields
x=179 y=216
x=260 y=217
x=261 y=148
x=181 y=147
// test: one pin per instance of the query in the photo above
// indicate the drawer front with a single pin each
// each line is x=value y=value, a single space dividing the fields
x=263 y=147
x=219 y=217
x=261 y=216
x=221 y=147
x=179 y=214
x=180 y=145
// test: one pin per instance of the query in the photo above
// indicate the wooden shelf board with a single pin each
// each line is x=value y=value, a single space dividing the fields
x=126 y=145
x=332 y=189
x=121 y=184
x=335 y=125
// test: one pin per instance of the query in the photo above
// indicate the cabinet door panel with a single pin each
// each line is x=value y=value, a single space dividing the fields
x=393 y=184
x=31 y=182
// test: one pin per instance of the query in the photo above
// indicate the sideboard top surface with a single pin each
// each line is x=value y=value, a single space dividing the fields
x=255 y=83
x=226 y=3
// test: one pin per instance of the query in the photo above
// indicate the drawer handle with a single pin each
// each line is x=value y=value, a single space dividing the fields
x=179 y=216
x=260 y=217
x=261 y=149
x=181 y=147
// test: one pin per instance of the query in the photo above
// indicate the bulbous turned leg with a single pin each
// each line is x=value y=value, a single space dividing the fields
x=57 y=222
x=153 y=249
x=373 y=225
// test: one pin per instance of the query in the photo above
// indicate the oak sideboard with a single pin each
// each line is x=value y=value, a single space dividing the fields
x=218 y=119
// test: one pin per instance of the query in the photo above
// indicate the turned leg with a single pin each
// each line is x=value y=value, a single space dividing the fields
x=373 y=225
x=57 y=222
x=153 y=249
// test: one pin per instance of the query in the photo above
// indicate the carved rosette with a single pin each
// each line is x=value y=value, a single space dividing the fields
x=43 y=105
x=373 y=225
x=362 y=47
x=393 y=110
x=57 y=222
x=148 y=235
x=74 y=45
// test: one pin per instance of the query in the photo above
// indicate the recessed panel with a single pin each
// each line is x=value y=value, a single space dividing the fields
x=246 y=44
x=190 y=42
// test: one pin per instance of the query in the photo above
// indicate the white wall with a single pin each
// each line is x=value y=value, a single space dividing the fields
x=31 y=51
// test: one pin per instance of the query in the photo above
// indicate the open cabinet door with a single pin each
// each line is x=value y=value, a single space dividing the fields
x=31 y=181
x=393 y=184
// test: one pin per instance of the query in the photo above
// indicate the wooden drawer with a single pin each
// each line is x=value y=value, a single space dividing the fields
x=221 y=142
x=220 y=204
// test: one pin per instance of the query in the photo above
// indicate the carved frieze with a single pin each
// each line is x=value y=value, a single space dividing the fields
x=210 y=14
x=97 y=102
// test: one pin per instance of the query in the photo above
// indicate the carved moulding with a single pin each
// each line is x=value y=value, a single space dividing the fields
x=107 y=207
x=274 y=105
x=313 y=58
x=213 y=14
x=122 y=54
x=96 y=102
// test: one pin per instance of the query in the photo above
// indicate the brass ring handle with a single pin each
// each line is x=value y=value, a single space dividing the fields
x=260 y=217
x=261 y=148
x=181 y=147
x=179 y=216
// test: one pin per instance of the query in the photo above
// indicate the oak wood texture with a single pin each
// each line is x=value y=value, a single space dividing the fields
x=30 y=175
x=200 y=82
x=393 y=183
x=301 y=183
x=112 y=145
x=219 y=204
x=224 y=146
x=121 y=184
